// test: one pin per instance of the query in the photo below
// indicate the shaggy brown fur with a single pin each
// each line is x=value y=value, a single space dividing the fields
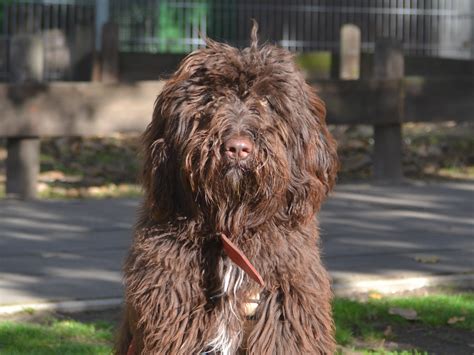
x=174 y=275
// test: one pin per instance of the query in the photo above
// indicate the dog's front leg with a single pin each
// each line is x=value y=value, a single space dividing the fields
x=164 y=290
x=295 y=318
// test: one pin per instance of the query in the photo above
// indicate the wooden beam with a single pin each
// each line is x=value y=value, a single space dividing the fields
x=360 y=101
x=438 y=99
x=349 y=64
x=76 y=109
x=23 y=153
x=89 y=109
x=389 y=64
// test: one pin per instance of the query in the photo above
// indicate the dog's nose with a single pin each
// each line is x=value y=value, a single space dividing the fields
x=238 y=148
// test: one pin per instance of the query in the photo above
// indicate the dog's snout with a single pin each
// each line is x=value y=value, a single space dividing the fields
x=238 y=148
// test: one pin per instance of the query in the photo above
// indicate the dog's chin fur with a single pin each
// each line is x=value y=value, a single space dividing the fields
x=183 y=294
x=234 y=178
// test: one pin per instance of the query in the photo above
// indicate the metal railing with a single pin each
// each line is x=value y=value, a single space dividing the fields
x=59 y=22
x=425 y=27
x=439 y=28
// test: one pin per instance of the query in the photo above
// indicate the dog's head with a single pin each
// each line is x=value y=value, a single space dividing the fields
x=238 y=138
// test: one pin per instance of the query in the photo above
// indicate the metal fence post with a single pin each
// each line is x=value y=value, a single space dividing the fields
x=27 y=63
x=388 y=64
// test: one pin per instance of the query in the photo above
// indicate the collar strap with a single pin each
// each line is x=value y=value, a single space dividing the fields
x=239 y=258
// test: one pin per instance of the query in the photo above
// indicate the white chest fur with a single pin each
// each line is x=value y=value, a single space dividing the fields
x=228 y=337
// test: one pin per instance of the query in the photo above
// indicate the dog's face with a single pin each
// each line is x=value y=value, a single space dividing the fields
x=238 y=138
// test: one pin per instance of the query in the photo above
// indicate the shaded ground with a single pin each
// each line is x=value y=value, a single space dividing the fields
x=411 y=338
x=50 y=249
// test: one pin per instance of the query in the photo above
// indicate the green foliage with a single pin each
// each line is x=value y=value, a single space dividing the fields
x=316 y=63
x=173 y=22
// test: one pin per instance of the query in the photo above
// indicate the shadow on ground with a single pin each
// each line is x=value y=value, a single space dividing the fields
x=62 y=250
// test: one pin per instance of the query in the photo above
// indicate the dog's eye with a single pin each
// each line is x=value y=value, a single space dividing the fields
x=254 y=111
x=265 y=102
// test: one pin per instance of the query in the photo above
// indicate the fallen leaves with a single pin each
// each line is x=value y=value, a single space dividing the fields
x=427 y=259
x=454 y=320
x=388 y=332
x=407 y=313
x=375 y=295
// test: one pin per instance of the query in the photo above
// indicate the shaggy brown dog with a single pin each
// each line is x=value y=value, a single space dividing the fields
x=238 y=146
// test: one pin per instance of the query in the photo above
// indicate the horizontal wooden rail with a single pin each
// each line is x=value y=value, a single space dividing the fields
x=28 y=111
x=88 y=109
x=437 y=100
x=75 y=109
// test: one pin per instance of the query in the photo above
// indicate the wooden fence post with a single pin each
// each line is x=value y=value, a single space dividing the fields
x=27 y=65
x=388 y=64
x=110 y=53
x=349 y=62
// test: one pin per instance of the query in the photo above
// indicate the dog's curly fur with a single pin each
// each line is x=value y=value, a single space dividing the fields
x=183 y=295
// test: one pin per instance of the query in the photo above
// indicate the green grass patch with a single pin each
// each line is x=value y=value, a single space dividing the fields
x=364 y=319
x=57 y=337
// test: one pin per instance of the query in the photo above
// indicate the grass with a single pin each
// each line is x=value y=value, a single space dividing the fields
x=56 y=337
x=354 y=321
x=363 y=319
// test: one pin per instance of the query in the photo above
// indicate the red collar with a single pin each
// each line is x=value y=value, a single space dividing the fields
x=236 y=255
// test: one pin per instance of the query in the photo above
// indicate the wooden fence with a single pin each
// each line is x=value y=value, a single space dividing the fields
x=388 y=100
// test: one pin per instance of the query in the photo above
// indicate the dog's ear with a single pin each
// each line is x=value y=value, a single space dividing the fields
x=315 y=161
x=157 y=173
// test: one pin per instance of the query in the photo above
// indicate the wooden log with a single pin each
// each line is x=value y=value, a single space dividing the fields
x=388 y=64
x=26 y=58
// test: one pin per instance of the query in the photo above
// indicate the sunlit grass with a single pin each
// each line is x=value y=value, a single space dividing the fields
x=354 y=320
x=97 y=192
x=457 y=172
x=360 y=319
x=47 y=191
x=57 y=337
